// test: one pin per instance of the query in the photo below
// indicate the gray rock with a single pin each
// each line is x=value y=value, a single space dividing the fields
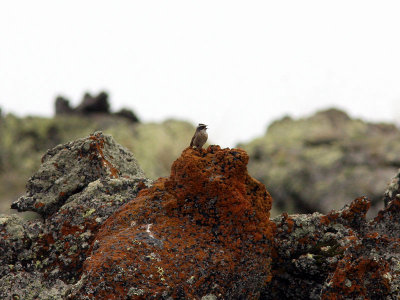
x=16 y=237
x=42 y=258
x=31 y=286
x=69 y=168
x=393 y=190
x=340 y=254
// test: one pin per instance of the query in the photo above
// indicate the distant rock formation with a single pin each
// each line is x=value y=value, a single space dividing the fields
x=91 y=105
x=204 y=232
x=318 y=163
x=127 y=114
x=94 y=104
x=62 y=106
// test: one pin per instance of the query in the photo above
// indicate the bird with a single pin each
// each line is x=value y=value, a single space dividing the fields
x=200 y=136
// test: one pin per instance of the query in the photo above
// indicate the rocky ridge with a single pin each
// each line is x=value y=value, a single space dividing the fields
x=204 y=232
x=91 y=105
x=318 y=163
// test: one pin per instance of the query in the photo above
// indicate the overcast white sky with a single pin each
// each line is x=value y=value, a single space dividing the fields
x=235 y=65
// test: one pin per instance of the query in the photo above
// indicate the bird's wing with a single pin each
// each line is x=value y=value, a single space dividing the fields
x=191 y=142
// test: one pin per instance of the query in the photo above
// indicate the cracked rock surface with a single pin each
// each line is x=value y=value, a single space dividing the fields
x=77 y=187
x=69 y=168
x=339 y=255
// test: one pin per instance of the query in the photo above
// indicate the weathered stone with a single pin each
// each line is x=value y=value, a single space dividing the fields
x=16 y=237
x=44 y=257
x=393 y=190
x=337 y=256
x=31 y=286
x=69 y=168
x=203 y=231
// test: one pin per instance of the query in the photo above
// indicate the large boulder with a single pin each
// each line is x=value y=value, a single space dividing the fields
x=68 y=169
x=202 y=232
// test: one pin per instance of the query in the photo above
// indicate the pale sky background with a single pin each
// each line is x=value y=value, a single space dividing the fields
x=234 y=65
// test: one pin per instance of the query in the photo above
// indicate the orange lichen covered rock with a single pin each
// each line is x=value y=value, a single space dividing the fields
x=204 y=230
x=352 y=215
x=370 y=269
x=340 y=255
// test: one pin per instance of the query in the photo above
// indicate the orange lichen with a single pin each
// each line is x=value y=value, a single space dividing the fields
x=205 y=229
x=359 y=274
x=96 y=150
x=358 y=209
x=39 y=204
x=355 y=212
x=392 y=210
x=327 y=219
x=69 y=229
x=356 y=277
x=288 y=221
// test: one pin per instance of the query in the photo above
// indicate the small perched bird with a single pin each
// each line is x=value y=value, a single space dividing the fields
x=200 y=136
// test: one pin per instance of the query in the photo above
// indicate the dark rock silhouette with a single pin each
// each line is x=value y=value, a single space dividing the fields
x=127 y=114
x=92 y=105
x=62 y=106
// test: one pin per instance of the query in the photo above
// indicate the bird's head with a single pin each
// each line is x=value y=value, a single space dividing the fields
x=202 y=126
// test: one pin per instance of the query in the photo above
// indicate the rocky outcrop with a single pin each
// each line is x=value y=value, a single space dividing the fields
x=204 y=232
x=340 y=255
x=68 y=169
x=78 y=186
x=94 y=104
x=320 y=162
